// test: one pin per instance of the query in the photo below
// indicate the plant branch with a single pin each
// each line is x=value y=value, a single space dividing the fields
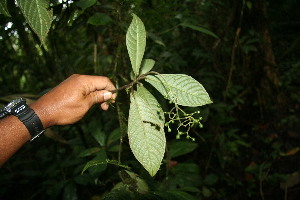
x=141 y=77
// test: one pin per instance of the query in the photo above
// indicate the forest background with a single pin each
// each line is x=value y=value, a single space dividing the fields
x=244 y=52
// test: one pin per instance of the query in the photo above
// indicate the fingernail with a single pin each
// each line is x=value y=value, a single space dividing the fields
x=107 y=96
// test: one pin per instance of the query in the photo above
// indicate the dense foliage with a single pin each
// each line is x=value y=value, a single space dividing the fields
x=244 y=52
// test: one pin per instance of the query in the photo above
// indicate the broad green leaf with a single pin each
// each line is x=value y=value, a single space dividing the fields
x=139 y=184
x=113 y=136
x=3 y=8
x=98 y=162
x=84 y=4
x=97 y=133
x=186 y=175
x=146 y=130
x=180 y=89
x=136 y=43
x=179 y=148
x=37 y=15
x=100 y=159
x=147 y=65
x=200 y=29
x=99 y=19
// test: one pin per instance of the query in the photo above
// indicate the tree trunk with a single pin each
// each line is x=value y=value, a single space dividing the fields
x=264 y=61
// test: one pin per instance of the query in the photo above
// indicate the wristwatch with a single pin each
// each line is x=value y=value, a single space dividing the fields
x=20 y=109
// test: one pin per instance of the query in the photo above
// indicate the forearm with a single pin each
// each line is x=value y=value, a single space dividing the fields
x=14 y=135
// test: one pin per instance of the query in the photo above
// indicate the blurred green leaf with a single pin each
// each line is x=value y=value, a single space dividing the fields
x=114 y=148
x=200 y=29
x=107 y=161
x=55 y=188
x=84 y=4
x=89 y=151
x=97 y=133
x=190 y=189
x=118 y=194
x=179 y=148
x=185 y=175
x=70 y=192
x=97 y=165
x=191 y=168
x=211 y=179
x=135 y=182
x=156 y=39
x=113 y=136
x=182 y=195
x=206 y=192
x=3 y=8
x=84 y=179
x=99 y=19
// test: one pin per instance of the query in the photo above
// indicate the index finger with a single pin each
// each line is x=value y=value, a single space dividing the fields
x=94 y=83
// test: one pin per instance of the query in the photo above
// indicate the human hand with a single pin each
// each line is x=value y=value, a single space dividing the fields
x=70 y=100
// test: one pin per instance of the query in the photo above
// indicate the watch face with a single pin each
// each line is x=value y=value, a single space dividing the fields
x=13 y=103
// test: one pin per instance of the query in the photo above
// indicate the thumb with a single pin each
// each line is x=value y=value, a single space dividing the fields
x=99 y=96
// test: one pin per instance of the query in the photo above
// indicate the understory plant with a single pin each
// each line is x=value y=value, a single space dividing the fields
x=146 y=121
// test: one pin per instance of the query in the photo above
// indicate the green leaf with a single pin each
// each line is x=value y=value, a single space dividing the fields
x=83 y=179
x=147 y=65
x=97 y=133
x=3 y=8
x=84 y=4
x=113 y=137
x=146 y=130
x=99 y=19
x=118 y=194
x=38 y=16
x=70 y=192
x=206 y=192
x=179 y=148
x=100 y=159
x=89 y=152
x=156 y=39
x=175 y=195
x=135 y=181
x=211 y=179
x=180 y=89
x=98 y=162
x=200 y=29
x=136 y=43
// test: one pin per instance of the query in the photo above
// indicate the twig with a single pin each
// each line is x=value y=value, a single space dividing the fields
x=95 y=53
x=122 y=132
x=141 y=77
x=261 y=179
x=237 y=34
x=285 y=193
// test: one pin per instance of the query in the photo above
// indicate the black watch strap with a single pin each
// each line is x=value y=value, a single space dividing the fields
x=30 y=120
